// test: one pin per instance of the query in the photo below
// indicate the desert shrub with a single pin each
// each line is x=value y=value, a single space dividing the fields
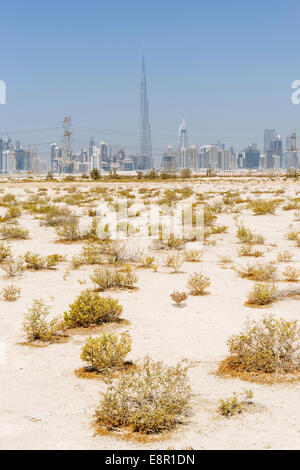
x=214 y=230
x=262 y=294
x=179 y=297
x=90 y=254
x=193 y=255
x=14 y=232
x=291 y=274
x=285 y=256
x=175 y=261
x=268 y=345
x=197 y=284
x=13 y=212
x=90 y=308
x=106 y=352
x=115 y=250
x=236 y=403
x=36 y=326
x=146 y=261
x=245 y=235
x=225 y=260
x=5 y=252
x=247 y=250
x=70 y=230
x=56 y=216
x=152 y=399
x=13 y=266
x=262 y=207
x=37 y=262
x=173 y=243
x=108 y=278
x=259 y=272
x=10 y=293
x=292 y=236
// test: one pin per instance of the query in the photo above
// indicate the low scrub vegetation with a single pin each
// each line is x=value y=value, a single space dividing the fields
x=10 y=293
x=179 y=297
x=13 y=232
x=198 y=283
x=37 y=262
x=91 y=309
x=106 y=352
x=245 y=235
x=236 y=403
x=36 y=326
x=152 y=399
x=262 y=294
x=268 y=345
x=258 y=272
x=109 y=278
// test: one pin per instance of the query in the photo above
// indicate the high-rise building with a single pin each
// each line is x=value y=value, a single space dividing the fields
x=145 y=150
x=269 y=135
x=182 y=155
x=252 y=157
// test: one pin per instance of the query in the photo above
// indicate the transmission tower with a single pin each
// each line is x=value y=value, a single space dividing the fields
x=294 y=159
x=66 y=135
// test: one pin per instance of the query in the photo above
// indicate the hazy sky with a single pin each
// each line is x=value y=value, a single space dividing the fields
x=227 y=66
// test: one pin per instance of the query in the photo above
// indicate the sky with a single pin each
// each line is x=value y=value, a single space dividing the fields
x=226 y=66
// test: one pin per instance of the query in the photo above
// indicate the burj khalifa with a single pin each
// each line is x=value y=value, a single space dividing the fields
x=145 y=161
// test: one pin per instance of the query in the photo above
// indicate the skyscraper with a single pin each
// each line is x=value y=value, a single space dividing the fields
x=145 y=151
x=182 y=145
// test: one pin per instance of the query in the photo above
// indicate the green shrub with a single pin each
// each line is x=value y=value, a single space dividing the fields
x=13 y=232
x=259 y=272
x=197 y=284
x=36 y=326
x=13 y=266
x=13 y=212
x=151 y=400
x=236 y=403
x=192 y=256
x=5 y=252
x=38 y=262
x=10 y=293
x=268 y=345
x=175 y=261
x=106 y=352
x=70 y=230
x=90 y=308
x=109 y=278
x=285 y=256
x=245 y=235
x=291 y=274
x=262 y=294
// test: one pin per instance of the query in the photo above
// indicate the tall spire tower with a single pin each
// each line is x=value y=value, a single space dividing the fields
x=145 y=150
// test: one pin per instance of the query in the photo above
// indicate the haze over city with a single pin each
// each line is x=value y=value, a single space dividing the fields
x=221 y=65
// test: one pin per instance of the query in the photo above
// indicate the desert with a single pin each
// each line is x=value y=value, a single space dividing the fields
x=47 y=402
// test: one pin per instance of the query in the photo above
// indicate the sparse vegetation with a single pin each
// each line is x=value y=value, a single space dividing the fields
x=198 y=283
x=109 y=278
x=236 y=403
x=179 y=297
x=152 y=399
x=36 y=326
x=91 y=309
x=10 y=293
x=106 y=352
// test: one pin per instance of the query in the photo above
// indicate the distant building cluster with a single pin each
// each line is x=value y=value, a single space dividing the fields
x=16 y=159
x=106 y=157
x=217 y=157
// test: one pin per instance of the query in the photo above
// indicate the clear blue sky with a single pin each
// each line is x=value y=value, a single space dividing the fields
x=227 y=66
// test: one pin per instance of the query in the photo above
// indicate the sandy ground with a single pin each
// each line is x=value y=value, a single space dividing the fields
x=44 y=405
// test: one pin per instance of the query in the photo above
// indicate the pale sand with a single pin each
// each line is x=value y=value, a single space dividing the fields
x=43 y=405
